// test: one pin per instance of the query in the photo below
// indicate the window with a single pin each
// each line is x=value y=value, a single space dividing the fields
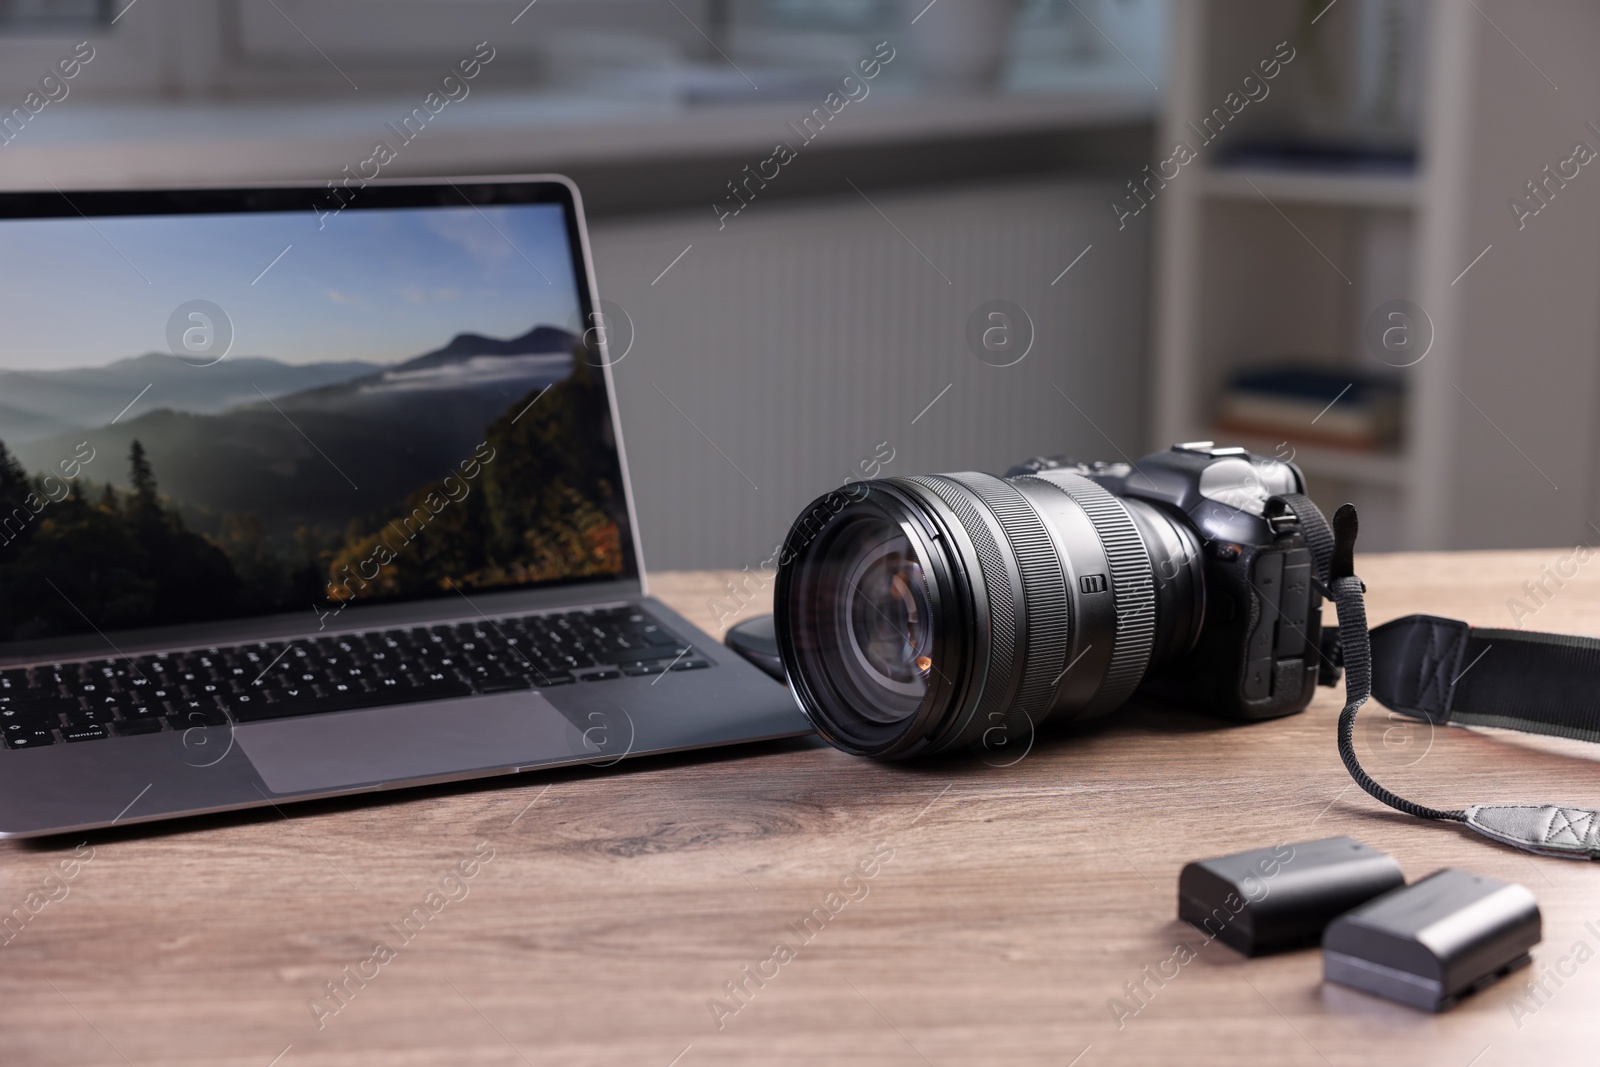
x=134 y=45
x=161 y=49
x=382 y=42
x=34 y=16
x=168 y=48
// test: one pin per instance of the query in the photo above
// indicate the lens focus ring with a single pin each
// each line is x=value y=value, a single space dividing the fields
x=1044 y=595
x=1132 y=584
x=1034 y=631
x=997 y=583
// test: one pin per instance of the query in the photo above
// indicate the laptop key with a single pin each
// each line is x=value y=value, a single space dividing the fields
x=437 y=686
x=548 y=679
x=196 y=720
x=504 y=685
x=94 y=715
x=634 y=670
x=84 y=733
x=129 y=727
x=15 y=727
x=655 y=635
x=33 y=737
x=137 y=713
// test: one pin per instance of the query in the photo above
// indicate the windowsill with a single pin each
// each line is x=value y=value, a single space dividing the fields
x=92 y=144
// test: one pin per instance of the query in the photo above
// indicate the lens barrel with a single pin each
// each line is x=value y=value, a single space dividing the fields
x=919 y=615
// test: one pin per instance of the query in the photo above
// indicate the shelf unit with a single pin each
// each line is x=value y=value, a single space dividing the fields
x=1306 y=187
x=1256 y=264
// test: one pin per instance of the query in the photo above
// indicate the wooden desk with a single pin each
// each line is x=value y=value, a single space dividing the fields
x=1016 y=904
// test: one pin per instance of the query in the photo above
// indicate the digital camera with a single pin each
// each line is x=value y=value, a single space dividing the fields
x=919 y=615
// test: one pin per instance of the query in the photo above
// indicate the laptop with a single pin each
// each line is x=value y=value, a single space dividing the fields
x=309 y=491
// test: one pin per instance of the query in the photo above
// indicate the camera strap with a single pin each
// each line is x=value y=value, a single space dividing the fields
x=1447 y=672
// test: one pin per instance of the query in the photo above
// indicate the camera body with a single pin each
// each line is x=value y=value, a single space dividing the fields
x=1260 y=652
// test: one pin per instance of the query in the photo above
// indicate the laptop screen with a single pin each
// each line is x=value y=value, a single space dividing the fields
x=223 y=404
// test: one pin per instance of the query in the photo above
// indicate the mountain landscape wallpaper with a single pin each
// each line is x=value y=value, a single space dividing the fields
x=415 y=412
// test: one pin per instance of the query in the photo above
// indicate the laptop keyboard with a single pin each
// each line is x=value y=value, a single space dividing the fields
x=94 y=699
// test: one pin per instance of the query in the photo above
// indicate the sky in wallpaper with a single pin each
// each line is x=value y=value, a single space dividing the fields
x=377 y=286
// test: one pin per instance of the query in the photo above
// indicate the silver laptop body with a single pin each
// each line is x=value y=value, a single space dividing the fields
x=318 y=490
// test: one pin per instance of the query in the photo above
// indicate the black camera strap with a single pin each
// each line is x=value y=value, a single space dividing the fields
x=1446 y=672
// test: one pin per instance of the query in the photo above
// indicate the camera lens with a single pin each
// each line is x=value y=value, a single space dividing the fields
x=917 y=615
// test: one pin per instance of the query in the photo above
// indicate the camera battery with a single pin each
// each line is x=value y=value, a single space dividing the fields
x=1432 y=943
x=1272 y=899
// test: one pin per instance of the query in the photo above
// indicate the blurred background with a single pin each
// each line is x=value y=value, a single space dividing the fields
x=894 y=236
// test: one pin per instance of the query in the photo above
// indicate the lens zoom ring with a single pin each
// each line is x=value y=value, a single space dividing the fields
x=1002 y=607
x=1132 y=584
x=1044 y=594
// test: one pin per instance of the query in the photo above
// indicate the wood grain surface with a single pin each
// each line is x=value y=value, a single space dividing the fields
x=959 y=913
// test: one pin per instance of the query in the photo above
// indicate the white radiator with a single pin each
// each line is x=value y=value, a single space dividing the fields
x=779 y=351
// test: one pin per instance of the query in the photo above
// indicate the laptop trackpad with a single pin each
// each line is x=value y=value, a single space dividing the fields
x=434 y=740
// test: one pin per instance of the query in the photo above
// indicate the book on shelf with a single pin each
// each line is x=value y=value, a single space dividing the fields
x=1341 y=408
x=1307 y=157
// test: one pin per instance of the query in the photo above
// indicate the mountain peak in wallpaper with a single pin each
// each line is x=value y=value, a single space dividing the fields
x=541 y=340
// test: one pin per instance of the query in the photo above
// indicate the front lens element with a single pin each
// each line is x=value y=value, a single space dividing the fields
x=890 y=628
x=863 y=623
